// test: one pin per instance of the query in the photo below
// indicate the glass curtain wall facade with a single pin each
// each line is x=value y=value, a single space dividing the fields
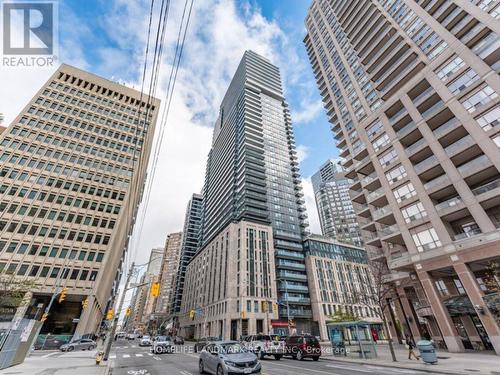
x=337 y=217
x=190 y=244
x=252 y=173
x=411 y=90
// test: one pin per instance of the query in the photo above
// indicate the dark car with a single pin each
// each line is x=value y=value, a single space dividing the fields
x=178 y=340
x=302 y=346
x=198 y=347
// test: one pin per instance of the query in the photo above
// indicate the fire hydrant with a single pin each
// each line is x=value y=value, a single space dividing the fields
x=98 y=357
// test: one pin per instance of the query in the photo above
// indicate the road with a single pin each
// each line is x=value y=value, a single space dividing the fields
x=129 y=359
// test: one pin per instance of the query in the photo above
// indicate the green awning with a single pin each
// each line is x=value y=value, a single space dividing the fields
x=459 y=305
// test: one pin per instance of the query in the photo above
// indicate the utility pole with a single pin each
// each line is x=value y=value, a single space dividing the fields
x=117 y=314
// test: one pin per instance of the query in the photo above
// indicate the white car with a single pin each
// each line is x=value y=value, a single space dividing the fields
x=163 y=344
x=130 y=336
x=263 y=345
x=145 y=341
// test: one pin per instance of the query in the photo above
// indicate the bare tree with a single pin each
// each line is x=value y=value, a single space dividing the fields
x=375 y=293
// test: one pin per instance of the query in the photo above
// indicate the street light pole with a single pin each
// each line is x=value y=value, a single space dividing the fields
x=117 y=315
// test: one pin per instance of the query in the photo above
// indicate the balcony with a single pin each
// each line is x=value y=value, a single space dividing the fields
x=295 y=299
x=474 y=166
x=459 y=146
x=376 y=194
x=486 y=187
x=365 y=181
x=292 y=265
x=415 y=147
x=446 y=127
x=387 y=230
x=450 y=205
x=468 y=234
x=426 y=164
x=398 y=115
x=423 y=95
x=302 y=288
x=406 y=129
x=433 y=109
x=381 y=212
x=296 y=313
x=289 y=254
x=437 y=183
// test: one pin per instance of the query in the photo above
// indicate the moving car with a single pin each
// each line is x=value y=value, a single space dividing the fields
x=303 y=346
x=81 y=344
x=203 y=342
x=163 y=344
x=263 y=345
x=178 y=340
x=145 y=341
x=228 y=357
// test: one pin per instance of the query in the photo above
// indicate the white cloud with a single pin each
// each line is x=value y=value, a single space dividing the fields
x=308 y=111
x=312 y=211
x=302 y=153
x=219 y=34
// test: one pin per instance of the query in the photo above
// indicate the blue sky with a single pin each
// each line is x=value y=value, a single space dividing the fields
x=312 y=135
x=107 y=37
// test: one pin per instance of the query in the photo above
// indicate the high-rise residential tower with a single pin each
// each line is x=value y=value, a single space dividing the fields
x=336 y=213
x=73 y=164
x=190 y=244
x=411 y=91
x=168 y=273
x=252 y=178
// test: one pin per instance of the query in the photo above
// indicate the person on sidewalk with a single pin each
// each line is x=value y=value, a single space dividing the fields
x=410 y=344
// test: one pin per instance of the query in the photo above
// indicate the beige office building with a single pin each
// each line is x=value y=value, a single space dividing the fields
x=230 y=284
x=411 y=91
x=168 y=273
x=73 y=164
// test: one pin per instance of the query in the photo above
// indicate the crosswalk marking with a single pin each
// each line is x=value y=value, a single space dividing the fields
x=348 y=368
x=138 y=355
x=157 y=358
x=186 y=373
x=112 y=356
x=150 y=354
x=126 y=356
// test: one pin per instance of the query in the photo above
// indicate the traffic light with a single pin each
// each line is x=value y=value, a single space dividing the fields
x=110 y=314
x=85 y=303
x=243 y=315
x=155 y=289
x=62 y=296
x=192 y=314
x=44 y=317
x=128 y=311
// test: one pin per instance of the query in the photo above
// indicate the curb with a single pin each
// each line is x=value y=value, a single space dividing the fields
x=430 y=370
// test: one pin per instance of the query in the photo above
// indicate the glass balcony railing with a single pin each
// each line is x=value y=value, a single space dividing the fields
x=406 y=129
x=425 y=164
x=291 y=264
x=291 y=254
x=369 y=179
x=487 y=187
x=291 y=275
x=387 y=230
x=413 y=147
x=436 y=182
x=375 y=194
x=381 y=212
x=468 y=234
x=293 y=287
x=449 y=203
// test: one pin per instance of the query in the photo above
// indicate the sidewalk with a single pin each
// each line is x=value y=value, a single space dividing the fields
x=481 y=363
x=75 y=363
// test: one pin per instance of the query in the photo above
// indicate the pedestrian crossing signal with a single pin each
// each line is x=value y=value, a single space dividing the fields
x=85 y=303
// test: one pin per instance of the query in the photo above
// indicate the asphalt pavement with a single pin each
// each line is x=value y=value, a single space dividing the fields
x=130 y=359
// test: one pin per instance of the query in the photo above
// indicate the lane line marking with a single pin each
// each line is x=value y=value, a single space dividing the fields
x=305 y=369
x=126 y=356
x=112 y=356
x=157 y=358
x=348 y=368
x=138 y=354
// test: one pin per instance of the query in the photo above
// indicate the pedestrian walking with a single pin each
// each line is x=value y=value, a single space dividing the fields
x=410 y=344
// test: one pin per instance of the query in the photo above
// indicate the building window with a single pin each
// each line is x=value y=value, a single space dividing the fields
x=450 y=67
x=479 y=98
x=465 y=80
x=388 y=157
x=396 y=174
x=459 y=286
x=404 y=192
x=414 y=212
x=441 y=287
x=490 y=119
x=381 y=142
x=374 y=129
x=425 y=239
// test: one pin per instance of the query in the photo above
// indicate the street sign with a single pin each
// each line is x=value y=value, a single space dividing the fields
x=76 y=320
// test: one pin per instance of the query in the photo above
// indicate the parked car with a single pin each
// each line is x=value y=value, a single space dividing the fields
x=130 y=336
x=81 y=344
x=303 y=346
x=203 y=342
x=263 y=345
x=145 y=341
x=228 y=357
x=178 y=340
x=163 y=344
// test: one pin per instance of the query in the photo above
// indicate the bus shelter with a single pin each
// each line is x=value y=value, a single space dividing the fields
x=352 y=337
